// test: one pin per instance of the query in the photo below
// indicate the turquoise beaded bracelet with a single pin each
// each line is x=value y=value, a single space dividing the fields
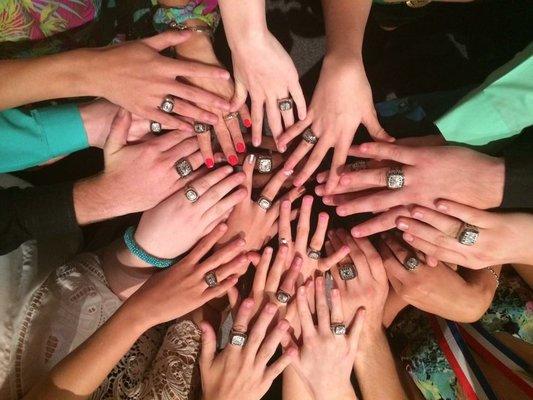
x=139 y=252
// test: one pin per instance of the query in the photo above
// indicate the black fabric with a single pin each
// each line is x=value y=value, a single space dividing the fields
x=35 y=213
x=518 y=187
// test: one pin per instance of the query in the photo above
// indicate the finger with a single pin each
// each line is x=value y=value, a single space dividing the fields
x=339 y=159
x=274 y=118
x=246 y=118
x=169 y=119
x=382 y=200
x=325 y=264
x=223 y=255
x=337 y=316
x=380 y=223
x=209 y=346
x=271 y=342
x=203 y=184
x=387 y=151
x=306 y=321
x=316 y=157
x=217 y=221
x=278 y=366
x=261 y=272
x=467 y=214
x=362 y=180
x=288 y=118
x=427 y=233
x=243 y=317
x=258 y=332
x=302 y=230
x=373 y=259
x=234 y=129
x=448 y=225
x=284 y=228
x=170 y=139
x=203 y=247
x=239 y=95
x=118 y=133
x=317 y=241
x=400 y=252
x=206 y=148
x=273 y=186
x=226 y=143
x=221 y=289
x=248 y=169
x=376 y=131
x=357 y=256
x=235 y=267
x=196 y=95
x=223 y=206
x=357 y=328
x=339 y=283
x=289 y=282
x=257 y=120
x=181 y=150
x=219 y=190
x=396 y=273
x=166 y=39
x=432 y=251
x=192 y=69
x=298 y=96
x=322 y=309
x=276 y=270
x=292 y=132
x=298 y=154
x=233 y=298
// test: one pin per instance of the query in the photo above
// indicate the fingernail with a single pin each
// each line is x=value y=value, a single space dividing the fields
x=256 y=142
x=408 y=237
x=210 y=163
x=418 y=215
x=341 y=211
x=250 y=159
x=247 y=123
x=319 y=190
x=320 y=178
x=327 y=200
x=297 y=182
x=241 y=148
x=402 y=226
x=442 y=207
x=233 y=160
x=355 y=233
x=282 y=149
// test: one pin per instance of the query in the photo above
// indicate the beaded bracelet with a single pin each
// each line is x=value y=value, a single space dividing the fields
x=202 y=10
x=139 y=252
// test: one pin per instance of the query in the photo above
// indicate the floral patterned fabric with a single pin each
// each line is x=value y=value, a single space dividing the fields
x=413 y=340
x=203 y=10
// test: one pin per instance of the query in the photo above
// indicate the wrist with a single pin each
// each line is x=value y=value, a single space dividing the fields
x=134 y=316
x=497 y=176
x=343 y=391
x=344 y=58
x=97 y=117
x=243 y=39
x=91 y=200
x=371 y=341
x=198 y=47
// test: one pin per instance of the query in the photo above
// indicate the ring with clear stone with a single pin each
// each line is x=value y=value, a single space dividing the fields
x=347 y=272
x=282 y=296
x=468 y=234
x=309 y=136
x=411 y=263
x=264 y=203
x=167 y=105
x=285 y=104
x=200 y=127
x=211 y=279
x=395 y=178
x=183 y=167
x=338 y=329
x=264 y=163
x=313 y=254
x=237 y=338
x=283 y=242
x=155 y=127
x=191 y=194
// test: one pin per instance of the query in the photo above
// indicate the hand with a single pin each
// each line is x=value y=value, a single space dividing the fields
x=262 y=67
x=370 y=287
x=228 y=132
x=326 y=360
x=135 y=76
x=452 y=173
x=182 y=288
x=342 y=100
x=458 y=299
x=503 y=238
x=136 y=177
x=301 y=244
x=249 y=220
x=242 y=372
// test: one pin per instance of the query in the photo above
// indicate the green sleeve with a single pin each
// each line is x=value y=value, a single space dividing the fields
x=500 y=108
x=31 y=137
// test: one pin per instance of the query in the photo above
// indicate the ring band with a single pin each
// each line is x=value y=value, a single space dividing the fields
x=191 y=194
x=338 y=329
x=411 y=263
x=183 y=167
x=237 y=338
x=347 y=272
x=211 y=279
x=358 y=165
x=468 y=235
x=155 y=127
x=167 y=105
x=395 y=178
x=313 y=254
x=231 y=115
x=264 y=203
x=309 y=136
x=282 y=296
x=285 y=104
x=200 y=127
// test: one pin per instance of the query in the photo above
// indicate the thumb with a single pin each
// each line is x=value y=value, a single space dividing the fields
x=167 y=39
x=209 y=344
x=118 y=133
x=376 y=131
x=240 y=94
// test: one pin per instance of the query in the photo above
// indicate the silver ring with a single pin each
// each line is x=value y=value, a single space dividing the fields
x=237 y=338
x=358 y=165
x=183 y=167
x=282 y=296
x=155 y=127
x=347 y=272
x=264 y=203
x=395 y=178
x=283 y=242
x=411 y=263
x=231 y=115
x=211 y=279
x=200 y=127
x=313 y=254
x=167 y=105
x=285 y=104
x=191 y=194
x=338 y=329
x=264 y=163
x=309 y=136
x=468 y=235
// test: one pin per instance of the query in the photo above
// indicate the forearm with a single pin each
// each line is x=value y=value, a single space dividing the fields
x=83 y=370
x=243 y=22
x=25 y=85
x=293 y=388
x=393 y=306
x=92 y=202
x=375 y=368
x=345 y=26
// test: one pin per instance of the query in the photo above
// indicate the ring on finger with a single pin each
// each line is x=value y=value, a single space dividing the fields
x=264 y=203
x=411 y=263
x=395 y=178
x=338 y=329
x=313 y=254
x=263 y=163
x=283 y=242
x=282 y=296
x=231 y=115
x=347 y=271
x=200 y=127
x=167 y=104
x=155 y=127
x=468 y=235
x=183 y=167
x=191 y=194
x=285 y=104
x=237 y=338
x=309 y=136
x=211 y=279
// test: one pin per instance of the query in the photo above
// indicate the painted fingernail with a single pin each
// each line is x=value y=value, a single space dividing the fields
x=402 y=226
x=241 y=148
x=233 y=160
x=247 y=123
x=408 y=237
x=209 y=162
x=250 y=159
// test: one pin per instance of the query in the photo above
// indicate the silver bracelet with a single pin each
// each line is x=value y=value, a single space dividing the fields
x=206 y=30
x=491 y=270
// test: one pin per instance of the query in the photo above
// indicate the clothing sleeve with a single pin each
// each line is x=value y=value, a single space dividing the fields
x=29 y=138
x=518 y=187
x=35 y=213
x=500 y=108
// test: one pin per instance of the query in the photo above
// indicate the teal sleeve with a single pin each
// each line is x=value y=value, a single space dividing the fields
x=500 y=108
x=31 y=137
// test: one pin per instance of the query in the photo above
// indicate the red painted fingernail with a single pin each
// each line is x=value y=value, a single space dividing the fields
x=247 y=123
x=241 y=148
x=233 y=160
x=209 y=163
